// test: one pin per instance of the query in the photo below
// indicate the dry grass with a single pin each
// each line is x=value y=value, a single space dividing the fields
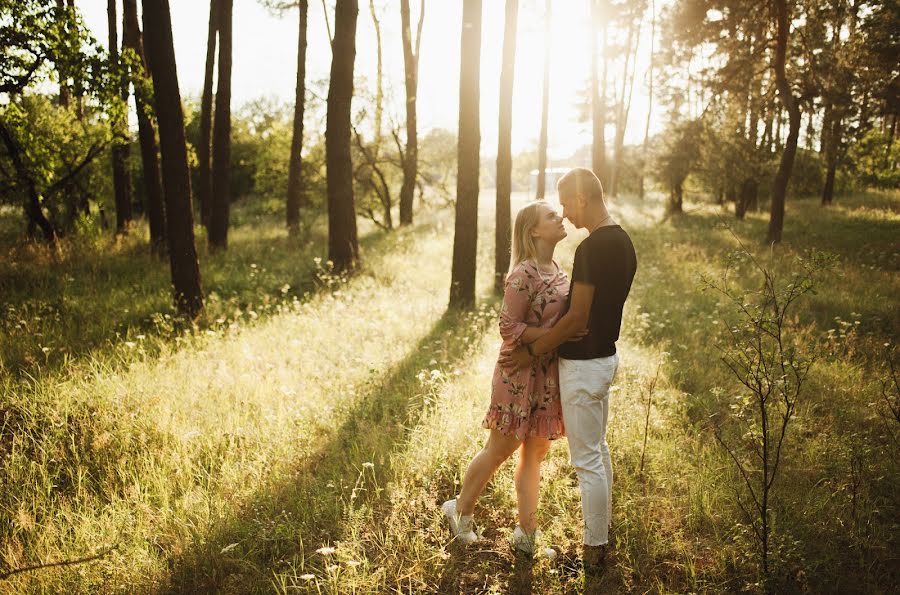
x=234 y=457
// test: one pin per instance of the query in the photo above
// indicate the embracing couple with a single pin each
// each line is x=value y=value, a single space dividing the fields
x=557 y=362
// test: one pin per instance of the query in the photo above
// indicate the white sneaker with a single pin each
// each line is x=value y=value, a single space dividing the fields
x=462 y=527
x=528 y=544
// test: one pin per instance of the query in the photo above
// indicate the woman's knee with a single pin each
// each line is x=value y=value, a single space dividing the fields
x=500 y=447
x=536 y=449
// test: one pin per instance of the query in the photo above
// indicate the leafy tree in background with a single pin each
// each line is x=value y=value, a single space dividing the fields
x=40 y=40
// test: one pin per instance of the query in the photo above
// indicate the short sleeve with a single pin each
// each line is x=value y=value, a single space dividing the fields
x=516 y=304
x=583 y=267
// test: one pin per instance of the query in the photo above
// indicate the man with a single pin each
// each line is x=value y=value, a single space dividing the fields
x=604 y=267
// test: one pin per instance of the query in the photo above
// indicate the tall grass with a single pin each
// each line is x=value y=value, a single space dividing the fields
x=305 y=443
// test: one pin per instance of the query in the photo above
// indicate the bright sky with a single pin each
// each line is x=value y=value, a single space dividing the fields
x=265 y=61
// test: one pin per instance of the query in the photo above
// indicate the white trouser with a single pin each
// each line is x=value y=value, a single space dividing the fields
x=584 y=393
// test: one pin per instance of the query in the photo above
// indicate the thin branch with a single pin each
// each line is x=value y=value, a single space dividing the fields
x=97 y=556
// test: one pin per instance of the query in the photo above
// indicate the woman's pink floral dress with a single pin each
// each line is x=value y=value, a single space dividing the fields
x=526 y=403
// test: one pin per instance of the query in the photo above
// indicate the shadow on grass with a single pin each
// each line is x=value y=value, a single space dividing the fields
x=54 y=311
x=307 y=506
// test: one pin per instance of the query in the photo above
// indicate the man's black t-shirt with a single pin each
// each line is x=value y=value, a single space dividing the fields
x=606 y=260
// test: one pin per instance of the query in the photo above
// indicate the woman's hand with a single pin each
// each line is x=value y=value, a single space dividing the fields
x=579 y=335
x=516 y=359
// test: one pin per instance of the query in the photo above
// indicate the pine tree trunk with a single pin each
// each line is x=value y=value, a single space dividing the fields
x=63 y=16
x=221 y=158
x=545 y=109
x=411 y=69
x=622 y=110
x=175 y=174
x=343 y=246
x=599 y=20
x=78 y=84
x=120 y=148
x=131 y=36
x=831 y=157
x=502 y=237
x=295 y=194
x=649 y=100
x=779 y=186
x=204 y=183
x=462 y=282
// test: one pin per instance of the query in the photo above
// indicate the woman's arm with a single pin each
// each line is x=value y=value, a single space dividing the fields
x=532 y=334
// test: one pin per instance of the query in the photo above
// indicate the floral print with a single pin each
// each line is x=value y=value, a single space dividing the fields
x=526 y=402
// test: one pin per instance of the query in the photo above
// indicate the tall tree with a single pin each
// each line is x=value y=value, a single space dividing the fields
x=646 y=142
x=623 y=107
x=411 y=70
x=343 y=246
x=545 y=107
x=120 y=150
x=599 y=22
x=379 y=76
x=204 y=185
x=221 y=158
x=63 y=16
x=792 y=106
x=175 y=173
x=296 y=197
x=131 y=37
x=465 y=238
x=78 y=86
x=502 y=235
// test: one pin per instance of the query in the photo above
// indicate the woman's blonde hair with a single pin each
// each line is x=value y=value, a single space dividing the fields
x=522 y=243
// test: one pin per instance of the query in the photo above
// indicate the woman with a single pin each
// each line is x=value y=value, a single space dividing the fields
x=525 y=412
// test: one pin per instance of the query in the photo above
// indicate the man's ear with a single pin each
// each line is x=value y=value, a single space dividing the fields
x=582 y=199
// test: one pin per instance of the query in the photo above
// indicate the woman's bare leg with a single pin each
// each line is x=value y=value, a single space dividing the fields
x=528 y=478
x=498 y=448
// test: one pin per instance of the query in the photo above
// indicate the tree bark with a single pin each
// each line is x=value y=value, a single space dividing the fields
x=831 y=157
x=646 y=144
x=296 y=197
x=120 y=147
x=411 y=69
x=462 y=283
x=379 y=78
x=502 y=235
x=63 y=16
x=624 y=108
x=175 y=174
x=779 y=186
x=343 y=246
x=204 y=183
x=131 y=37
x=599 y=20
x=221 y=158
x=545 y=108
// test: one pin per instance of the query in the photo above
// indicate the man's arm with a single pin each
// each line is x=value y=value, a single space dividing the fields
x=570 y=326
x=572 y=322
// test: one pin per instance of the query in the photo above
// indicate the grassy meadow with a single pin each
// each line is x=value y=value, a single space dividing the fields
x=301 y=435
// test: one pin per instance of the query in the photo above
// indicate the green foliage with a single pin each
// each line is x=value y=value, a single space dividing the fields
x=808 y=174
x=61 y=156
x=762 y=352
x=876 y=160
